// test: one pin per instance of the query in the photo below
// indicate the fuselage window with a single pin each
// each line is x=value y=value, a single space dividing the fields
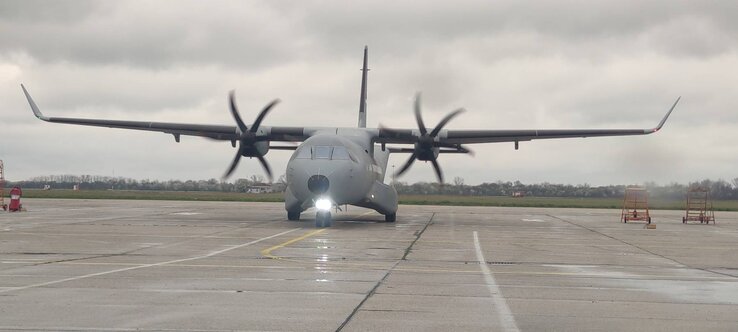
x=303 y=153
x=340 y=153
x=322 y=152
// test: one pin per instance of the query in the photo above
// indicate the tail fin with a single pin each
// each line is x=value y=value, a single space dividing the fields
x=362 y=100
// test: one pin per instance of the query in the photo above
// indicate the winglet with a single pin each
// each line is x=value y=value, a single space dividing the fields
x=34 y=108
x=661 y=124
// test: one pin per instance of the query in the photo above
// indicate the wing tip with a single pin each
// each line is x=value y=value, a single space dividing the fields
x=666 y=117
x=34 y=108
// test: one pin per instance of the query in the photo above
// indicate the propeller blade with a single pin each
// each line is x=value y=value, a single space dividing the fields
x=445 y=120
x=234 y=164
x=262 y=114
x=234 y=112
x=266 y=167
x=418 y=116
x=437 y=168
x=407 y=164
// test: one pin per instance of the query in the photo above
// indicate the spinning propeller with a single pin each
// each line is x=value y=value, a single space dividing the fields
x=427 y=146
x=249 y=143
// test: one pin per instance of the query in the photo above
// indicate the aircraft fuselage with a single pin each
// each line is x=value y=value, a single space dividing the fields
x=344 y=167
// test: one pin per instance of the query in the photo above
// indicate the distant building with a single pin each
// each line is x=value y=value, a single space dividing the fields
x=259 y=189
x=518 y=194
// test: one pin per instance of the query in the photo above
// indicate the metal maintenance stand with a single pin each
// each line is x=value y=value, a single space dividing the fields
x=699 y=206
x=635 y=205
x=2 y=187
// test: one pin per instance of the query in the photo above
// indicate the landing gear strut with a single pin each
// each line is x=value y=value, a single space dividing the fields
x=293 y=215
x=323 y=219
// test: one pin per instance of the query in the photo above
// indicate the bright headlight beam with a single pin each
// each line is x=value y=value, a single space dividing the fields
x=323 y=204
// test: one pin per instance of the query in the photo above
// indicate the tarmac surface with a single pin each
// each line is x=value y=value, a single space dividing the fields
x=103 y=265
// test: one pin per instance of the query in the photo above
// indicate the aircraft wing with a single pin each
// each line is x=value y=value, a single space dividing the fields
x=451 y=138
x=218 y=132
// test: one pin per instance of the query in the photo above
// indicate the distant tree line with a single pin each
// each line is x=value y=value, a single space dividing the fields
x=96 y=182
x=719 y=189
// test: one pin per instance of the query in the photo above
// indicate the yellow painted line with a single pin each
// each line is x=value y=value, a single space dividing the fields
x=268 y=251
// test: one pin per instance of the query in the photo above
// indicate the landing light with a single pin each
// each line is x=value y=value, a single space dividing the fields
x=323 y=204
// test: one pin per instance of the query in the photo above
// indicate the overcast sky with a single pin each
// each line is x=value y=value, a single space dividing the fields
x=511 y=64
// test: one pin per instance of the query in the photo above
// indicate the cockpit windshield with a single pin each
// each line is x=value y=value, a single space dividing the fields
x=304 y=153
x=340 y=153
x=324 y=152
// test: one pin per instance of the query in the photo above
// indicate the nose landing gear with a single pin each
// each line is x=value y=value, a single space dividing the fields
x=323 y=219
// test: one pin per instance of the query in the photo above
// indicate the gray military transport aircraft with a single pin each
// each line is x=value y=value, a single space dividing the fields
x=337 y=165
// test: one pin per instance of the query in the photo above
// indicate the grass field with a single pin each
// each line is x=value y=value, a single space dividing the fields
x=153 y=195
x=559 y=202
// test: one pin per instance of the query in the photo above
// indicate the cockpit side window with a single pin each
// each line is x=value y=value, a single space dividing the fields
x=322 y=152
x=340 y=153
x=304 y=153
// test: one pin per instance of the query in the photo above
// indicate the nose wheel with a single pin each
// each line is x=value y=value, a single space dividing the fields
x=323 y=219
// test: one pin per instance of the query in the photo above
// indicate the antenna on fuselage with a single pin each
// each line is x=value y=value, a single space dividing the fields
x=362 y=97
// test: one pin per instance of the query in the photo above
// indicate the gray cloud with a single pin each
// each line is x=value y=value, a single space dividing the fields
x=156 y=35
x=512 y=64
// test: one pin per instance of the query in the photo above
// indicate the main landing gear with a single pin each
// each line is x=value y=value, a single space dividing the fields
x=390 y=217
x=323 y=219
x=293 y=215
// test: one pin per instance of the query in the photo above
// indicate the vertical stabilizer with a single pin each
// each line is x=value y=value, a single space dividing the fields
x=362 y=100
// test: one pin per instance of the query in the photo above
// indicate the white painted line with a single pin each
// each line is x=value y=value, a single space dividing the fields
x=213 y=253
x=77 y=328
x=507 y=320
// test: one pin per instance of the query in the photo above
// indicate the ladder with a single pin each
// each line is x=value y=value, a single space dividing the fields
x=635 y=205
x=2 y=187
x=699 y=206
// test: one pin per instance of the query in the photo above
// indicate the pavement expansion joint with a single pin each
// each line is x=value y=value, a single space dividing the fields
x=387 y=274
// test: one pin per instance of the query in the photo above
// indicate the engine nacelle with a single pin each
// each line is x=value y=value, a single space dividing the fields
x=425 y=149
x=255 y=149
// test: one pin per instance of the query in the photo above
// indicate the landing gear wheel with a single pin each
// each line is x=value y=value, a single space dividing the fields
x=323 y=219
x=649 y=220
x=293 y=215
x=390 y=217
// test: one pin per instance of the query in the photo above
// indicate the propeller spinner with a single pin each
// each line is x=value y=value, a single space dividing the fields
x=249 y=143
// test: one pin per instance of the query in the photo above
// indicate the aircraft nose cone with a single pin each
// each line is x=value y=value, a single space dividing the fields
x=318 y=184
